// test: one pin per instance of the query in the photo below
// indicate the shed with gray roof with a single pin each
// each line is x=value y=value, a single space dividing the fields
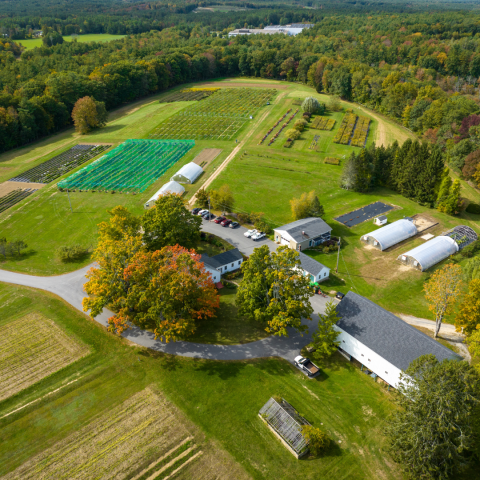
x=381 y=341
x=304 y=233
x=317 y=271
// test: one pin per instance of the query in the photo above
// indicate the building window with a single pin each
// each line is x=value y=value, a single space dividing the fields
x=325 y=274
x=233 y=264
x=369 y=360
x=362 y=354
x=239 y=262
x=343 y=341
x=386 y=373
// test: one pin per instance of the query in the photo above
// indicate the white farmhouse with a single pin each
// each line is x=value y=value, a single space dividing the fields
x=222 y=263
x=304 y=233
x=317 y=271
x=380 y=341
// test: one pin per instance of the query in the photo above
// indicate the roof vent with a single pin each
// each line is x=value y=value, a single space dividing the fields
x=303 y=232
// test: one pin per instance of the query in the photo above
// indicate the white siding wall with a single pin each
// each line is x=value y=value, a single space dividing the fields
x=231 y=266
x=369 y=358
x=323 y=275
x=214 y=273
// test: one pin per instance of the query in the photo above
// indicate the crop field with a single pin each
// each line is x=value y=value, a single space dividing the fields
x=91 y=37
x=129 y=168
x=14 y=197
x=285 y=125
x=346 y=129
x=219 y=117
x=61 y=164
x=323 y=123
x=116 y=444
x=188 y=94
x=32 y=348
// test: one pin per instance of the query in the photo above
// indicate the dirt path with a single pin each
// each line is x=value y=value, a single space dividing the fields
x=7 y=187
x=384 y=129
x=235 y=150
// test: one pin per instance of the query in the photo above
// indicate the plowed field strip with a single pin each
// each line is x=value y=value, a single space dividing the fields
x=113 y=446
x=32 y=348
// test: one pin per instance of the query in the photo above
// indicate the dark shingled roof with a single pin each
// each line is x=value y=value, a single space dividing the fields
x=310 y=265
x=312 y=226
x=229 y=256
x=382 y=217
x=387 y=335
x=210 y=261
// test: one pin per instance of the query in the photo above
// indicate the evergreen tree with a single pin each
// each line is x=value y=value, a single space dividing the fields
x=429 y=177
x=445 y=185
x=398 y=170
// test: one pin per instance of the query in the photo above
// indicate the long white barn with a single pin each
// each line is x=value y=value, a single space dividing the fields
x=380 y=341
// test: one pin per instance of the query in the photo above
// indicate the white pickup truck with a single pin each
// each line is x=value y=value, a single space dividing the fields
x=307 y=366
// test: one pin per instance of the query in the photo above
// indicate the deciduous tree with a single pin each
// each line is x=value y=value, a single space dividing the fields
x=88 y=114
x=169 y=222
x=468 y=317
x=318 y=440
x=310 y=105
x=222 y=199
x=274 y=291
x=431 y=432
x=169 y=292
x=325 y=337
x=442 y=291
x=306 y=206
x=202 y=197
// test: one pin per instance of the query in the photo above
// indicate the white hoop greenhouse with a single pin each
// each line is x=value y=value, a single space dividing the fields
x=170 y=187
x=188 y=173
x=430 y=253
x=392 y=234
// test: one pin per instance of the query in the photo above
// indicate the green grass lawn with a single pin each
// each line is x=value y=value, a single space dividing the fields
x=91 y=37
x=222 y=398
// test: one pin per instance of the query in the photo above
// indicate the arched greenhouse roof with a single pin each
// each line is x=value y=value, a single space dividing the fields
x=170 y=187
x=188 y=173
x=394 y=233
x=433 y=251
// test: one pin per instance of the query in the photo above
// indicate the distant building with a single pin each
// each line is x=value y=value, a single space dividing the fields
x=316 y=271
x=170 y=187
x=292 y=29
x=301 y=234
x=188 y=173
x=222 y=263
x=380 y=341
x=381 y=220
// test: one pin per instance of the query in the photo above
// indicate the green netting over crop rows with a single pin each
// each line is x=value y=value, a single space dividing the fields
x=131 y=167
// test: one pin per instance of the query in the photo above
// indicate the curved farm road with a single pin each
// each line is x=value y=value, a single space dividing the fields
x=69 y=287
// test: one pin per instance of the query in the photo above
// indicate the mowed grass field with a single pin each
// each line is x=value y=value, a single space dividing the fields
x=121 y=392
x=92 y=37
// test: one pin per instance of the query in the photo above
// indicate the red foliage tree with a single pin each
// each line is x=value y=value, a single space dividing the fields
x=471 y=162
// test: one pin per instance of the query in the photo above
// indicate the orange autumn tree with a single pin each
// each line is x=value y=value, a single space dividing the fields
x=169 y=290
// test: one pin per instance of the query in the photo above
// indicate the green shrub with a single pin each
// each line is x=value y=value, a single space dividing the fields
x=72 y=253
x=243 y=217
x=292 y=134
x=326 y=249
x=300 y=125
x=332 y=160
x=471 y=249
x=473 y=208
x=318 y=440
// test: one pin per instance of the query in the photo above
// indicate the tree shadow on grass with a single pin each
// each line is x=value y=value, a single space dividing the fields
x=166 y=362
x=333 y=450
x=25 y=255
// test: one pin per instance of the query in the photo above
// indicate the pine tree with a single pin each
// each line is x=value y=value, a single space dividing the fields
x=429 y=176
x=445 y=185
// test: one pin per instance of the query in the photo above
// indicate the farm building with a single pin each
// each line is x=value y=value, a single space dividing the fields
x=286 y=424
x=437 y=249
x=222 y=263
x=188 y=173
x=380 y=341
x=390 y=235
x=301 y=234
x=316 y=270
x=380 y=220
x=170 y=187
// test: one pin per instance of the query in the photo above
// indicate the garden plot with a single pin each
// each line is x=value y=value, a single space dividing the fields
x=32 y=348
x=57 y=166
x=188 y=94
x=129 y=168
x=15 y=196
x=121 y=443
x=206 y=156
x=218 y=117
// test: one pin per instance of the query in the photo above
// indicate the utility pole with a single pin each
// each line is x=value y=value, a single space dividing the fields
x=71 y=209
x=338 y=254
x=209 y=210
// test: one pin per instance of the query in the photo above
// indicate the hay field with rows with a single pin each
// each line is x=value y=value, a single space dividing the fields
x=31 y=348
x=114 y=445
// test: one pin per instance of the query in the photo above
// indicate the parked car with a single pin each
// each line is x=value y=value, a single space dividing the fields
x=219 y=219
x=307 y=366
x=234 y=225
x=258 y=236
x=202 y=212
x=339 y=295
x=208 y=216
x=226 y=223
x=249 y=233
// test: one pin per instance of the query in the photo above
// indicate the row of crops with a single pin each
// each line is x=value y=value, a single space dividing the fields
x=218 y=117
x=323 y=123
x=129 y=168
x=10 y=199
x=346 y=129
x=188 y=94
x=57 y=166
x=353 y=130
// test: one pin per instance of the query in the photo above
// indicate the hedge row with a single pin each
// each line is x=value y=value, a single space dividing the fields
x=346 y=129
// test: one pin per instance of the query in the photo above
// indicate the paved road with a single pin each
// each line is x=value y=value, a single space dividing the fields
x=69 y=287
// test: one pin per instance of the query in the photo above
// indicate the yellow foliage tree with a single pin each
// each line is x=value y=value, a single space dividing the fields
x=306 y=206
x=468 y=317
x=442 y=290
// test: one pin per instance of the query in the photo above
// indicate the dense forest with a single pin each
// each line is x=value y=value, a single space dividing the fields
x=422 y=69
